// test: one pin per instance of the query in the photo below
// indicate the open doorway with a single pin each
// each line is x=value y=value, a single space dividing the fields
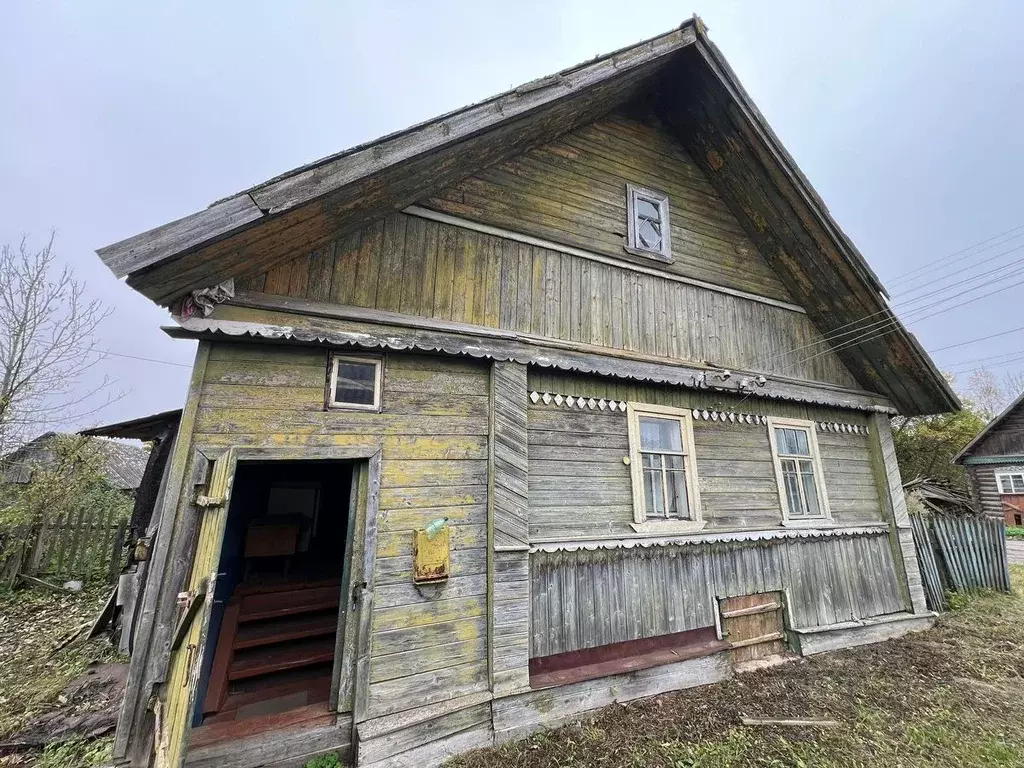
x=273 y=633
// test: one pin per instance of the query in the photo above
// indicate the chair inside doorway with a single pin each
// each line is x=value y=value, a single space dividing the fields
x=274 y=627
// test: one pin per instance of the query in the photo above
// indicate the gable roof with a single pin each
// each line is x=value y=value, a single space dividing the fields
x=993 y=425
x=694 y=92
x=122 y=463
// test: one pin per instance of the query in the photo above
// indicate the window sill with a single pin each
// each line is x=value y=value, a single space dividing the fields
x=668 y=526
x=653 y=255
x=353 y=407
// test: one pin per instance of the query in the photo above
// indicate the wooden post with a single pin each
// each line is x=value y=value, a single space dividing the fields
x=115 y=554
x=508 y=586
x=152 y=640
x=894 y=507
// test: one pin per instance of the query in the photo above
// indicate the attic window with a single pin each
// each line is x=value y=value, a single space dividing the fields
x=648 y=223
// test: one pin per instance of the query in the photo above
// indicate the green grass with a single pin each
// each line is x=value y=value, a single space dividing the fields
x=32 y=623
x=946 y=697
x=1013 y=532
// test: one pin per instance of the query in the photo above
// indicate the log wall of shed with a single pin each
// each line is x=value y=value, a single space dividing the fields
x=433 y=434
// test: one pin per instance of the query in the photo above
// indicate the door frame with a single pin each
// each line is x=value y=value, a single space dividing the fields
x=353 y=643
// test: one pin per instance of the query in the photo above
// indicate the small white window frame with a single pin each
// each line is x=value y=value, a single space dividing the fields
x=332 y=378
x=819 y=474
x=633 y=244
x=1008 y=476
x=640 y=522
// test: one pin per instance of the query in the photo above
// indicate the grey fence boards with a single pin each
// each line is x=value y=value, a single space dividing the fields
x=78 y=545
x=933 y=587
x=583 y=599
x=960 y=554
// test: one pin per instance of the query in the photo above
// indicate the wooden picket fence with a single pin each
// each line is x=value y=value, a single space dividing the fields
x=79 y=545
x=960 y=554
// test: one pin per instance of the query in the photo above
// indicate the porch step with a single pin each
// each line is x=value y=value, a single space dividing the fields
x=252 y=635
x=269 y=659
x=288 y=603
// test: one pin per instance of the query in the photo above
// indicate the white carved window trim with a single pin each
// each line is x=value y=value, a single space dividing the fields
x=332 y=380
x=1009 y=482
x=633 y=243
x=815 y=459
x=641 y=523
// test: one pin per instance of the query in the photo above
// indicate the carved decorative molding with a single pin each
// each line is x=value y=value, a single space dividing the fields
x=709 y=537
x=701 y=414
x=577 y=401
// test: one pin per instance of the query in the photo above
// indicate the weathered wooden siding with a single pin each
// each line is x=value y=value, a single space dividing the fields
x=1006 y=438
x=433 y=432
x=573 y=191
x=430 y=269
x=509 y=587
x=580 y=487
x=585 y=599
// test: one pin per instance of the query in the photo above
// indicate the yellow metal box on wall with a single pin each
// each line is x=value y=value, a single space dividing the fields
x=432 y=556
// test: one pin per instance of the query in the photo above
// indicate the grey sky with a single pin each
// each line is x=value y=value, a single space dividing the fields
x=117 y=117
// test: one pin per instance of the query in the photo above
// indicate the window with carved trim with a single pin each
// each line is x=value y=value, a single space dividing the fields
x=648 y=227
x=663 y=468
x=798 y=471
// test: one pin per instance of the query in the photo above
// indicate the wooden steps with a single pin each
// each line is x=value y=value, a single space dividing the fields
x=276 y=645
x=265 y=633
x=281 y=657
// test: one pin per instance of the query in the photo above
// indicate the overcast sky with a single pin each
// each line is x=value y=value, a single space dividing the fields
x=117 y=117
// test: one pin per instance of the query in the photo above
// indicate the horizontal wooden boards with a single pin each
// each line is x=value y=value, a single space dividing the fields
x=409 y=265
x=433 y=433
x=580 y=486
x=573 y=191
x=585 y=599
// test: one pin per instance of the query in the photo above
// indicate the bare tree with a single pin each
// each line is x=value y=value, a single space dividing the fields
x=47 y=344
x=993 y=393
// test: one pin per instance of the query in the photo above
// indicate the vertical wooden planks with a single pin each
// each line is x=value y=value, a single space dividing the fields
x=508 y=579
x=887 y=477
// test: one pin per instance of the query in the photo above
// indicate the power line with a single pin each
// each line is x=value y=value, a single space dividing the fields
x=991 y=360
x=980 y=338
x=894 y=324
x=135 y=357
x=902 y=277
x=856 y=326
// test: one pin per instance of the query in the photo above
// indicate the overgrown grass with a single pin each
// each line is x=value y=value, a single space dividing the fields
x=946 y=697
x=1014 y=532
x=32 y=623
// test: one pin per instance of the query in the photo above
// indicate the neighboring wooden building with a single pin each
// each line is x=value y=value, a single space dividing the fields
x=120 y=464
x=994 y=461
x=519 y=412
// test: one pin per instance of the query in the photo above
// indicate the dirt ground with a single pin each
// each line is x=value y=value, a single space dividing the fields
x=70 y=696
x=951 y=696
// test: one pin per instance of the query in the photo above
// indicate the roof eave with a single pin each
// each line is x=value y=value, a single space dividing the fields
x=307 y=184
x=819 y=211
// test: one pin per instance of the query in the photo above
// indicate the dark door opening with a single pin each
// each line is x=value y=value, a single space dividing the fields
x=273 y=631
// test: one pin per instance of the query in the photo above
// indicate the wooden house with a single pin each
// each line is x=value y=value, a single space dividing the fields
x=560 y=399
x=994 y=461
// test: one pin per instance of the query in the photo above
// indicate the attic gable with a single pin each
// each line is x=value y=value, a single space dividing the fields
x=694 y=93
x=573 y=191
